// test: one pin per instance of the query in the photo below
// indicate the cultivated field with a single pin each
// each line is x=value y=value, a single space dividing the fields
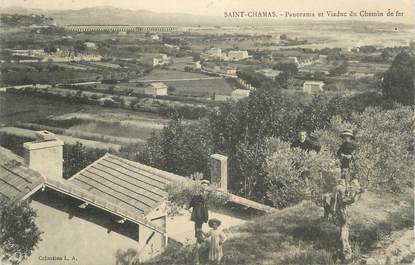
x=77 y=120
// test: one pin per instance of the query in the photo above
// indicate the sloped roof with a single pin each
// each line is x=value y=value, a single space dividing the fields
x=135 y=187
x=123 y=183
x=17 y=182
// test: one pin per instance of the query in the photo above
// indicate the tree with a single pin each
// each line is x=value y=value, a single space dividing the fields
x=383 y=162
x=399 y=80
x=19 y=234
x=77 y=157
x=177 y=148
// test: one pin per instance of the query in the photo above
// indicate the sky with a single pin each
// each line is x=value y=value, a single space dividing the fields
x=218 y=7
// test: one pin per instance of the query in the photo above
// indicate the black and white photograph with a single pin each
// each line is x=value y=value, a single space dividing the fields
x=207 y=132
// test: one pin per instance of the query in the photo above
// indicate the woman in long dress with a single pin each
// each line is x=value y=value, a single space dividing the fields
x=216 y=239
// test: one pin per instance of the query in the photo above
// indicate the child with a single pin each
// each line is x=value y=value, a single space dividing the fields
x=345 y=153
x=217 y=238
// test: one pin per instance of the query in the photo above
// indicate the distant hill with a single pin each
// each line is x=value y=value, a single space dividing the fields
x=109 y=15
x=105 y=15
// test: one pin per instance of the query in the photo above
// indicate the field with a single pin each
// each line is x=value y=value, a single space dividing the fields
x=81 y=121
x=21 y=78
x=201 y=87
x=161 y=74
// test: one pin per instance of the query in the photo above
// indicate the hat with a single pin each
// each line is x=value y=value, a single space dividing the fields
x=347 y=132
x=213 y=221
x=205 y=181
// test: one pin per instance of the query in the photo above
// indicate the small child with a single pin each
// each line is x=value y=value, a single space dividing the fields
x=346 y=152
x=217 y=238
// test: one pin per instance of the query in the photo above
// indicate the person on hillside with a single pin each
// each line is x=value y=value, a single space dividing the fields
x=200 y=212
x=304 y=142
x=346 y=153
x=216 y=239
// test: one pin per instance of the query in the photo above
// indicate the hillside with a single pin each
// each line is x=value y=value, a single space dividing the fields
x=104 y=15
x=297 y=235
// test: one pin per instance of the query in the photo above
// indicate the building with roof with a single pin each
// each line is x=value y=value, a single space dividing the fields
x=239 y=94
x=313 y=86
x=111 y=208
x=156 y=89
x=237 y=55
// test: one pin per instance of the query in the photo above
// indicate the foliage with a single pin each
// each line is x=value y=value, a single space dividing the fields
x=19 y=234
x=294 y=174
x=177 y=148
x=399 y=80
x=384 y=159
x=181 y=193
x=77 y=157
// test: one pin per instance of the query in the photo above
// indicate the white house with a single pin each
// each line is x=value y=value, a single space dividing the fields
x=238 y=94
x=237 y=55
x=313 y=86
x=155 y=37
x=215 y=52
x=156 y=89
x=90 y=45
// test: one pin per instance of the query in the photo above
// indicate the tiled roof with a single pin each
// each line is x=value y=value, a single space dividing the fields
x=149 y=181
x=123 y=183
x=73 y=190
x=16 y=181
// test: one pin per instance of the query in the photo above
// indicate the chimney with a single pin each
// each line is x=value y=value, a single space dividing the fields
x=219 y=170
x=45 y=155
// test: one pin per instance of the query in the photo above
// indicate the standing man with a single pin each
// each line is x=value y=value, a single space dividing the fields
x=304 y=143
x=346 y=153
x=200 y=213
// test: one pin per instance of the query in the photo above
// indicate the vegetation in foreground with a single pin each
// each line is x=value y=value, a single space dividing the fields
x=298 y=235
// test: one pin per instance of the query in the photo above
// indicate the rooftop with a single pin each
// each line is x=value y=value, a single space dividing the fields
x=16 y=181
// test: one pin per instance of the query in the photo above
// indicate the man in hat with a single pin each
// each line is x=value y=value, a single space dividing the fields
x=305 y=143
x=200 y=213
x=346 y=152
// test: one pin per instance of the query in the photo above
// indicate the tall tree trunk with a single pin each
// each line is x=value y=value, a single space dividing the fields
x=346 y=249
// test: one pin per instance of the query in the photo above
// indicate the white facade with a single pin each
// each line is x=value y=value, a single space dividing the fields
x=313 y=86
x=238 y=94
x=237 y=55
x=215 y=52
x=156 y=89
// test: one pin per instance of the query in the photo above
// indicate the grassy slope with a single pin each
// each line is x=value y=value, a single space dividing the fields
x=297 y=235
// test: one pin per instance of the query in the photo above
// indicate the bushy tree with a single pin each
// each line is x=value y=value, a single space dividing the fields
x=399 y=80
x=383 y=161
x=77 y=157
x=19 y=234
x=179 y=149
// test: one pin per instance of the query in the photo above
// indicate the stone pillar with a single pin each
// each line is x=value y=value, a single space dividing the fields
x=219 y=170
x=45 y=155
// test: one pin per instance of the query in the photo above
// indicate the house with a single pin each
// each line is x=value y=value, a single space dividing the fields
x=237 y=55
x=313 y=86
x=230 y=71
x=238 y=94
x=112 y=207
x=156 y=89
x=156 y=59
x=155 y=37
x=90 y=45
x=215 y=53
x=198 y=65
x=93 y=208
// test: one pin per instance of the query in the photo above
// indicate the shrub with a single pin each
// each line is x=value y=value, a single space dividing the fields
x=19 y=234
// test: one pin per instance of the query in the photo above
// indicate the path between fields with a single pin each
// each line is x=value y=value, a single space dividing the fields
x=67 y=139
